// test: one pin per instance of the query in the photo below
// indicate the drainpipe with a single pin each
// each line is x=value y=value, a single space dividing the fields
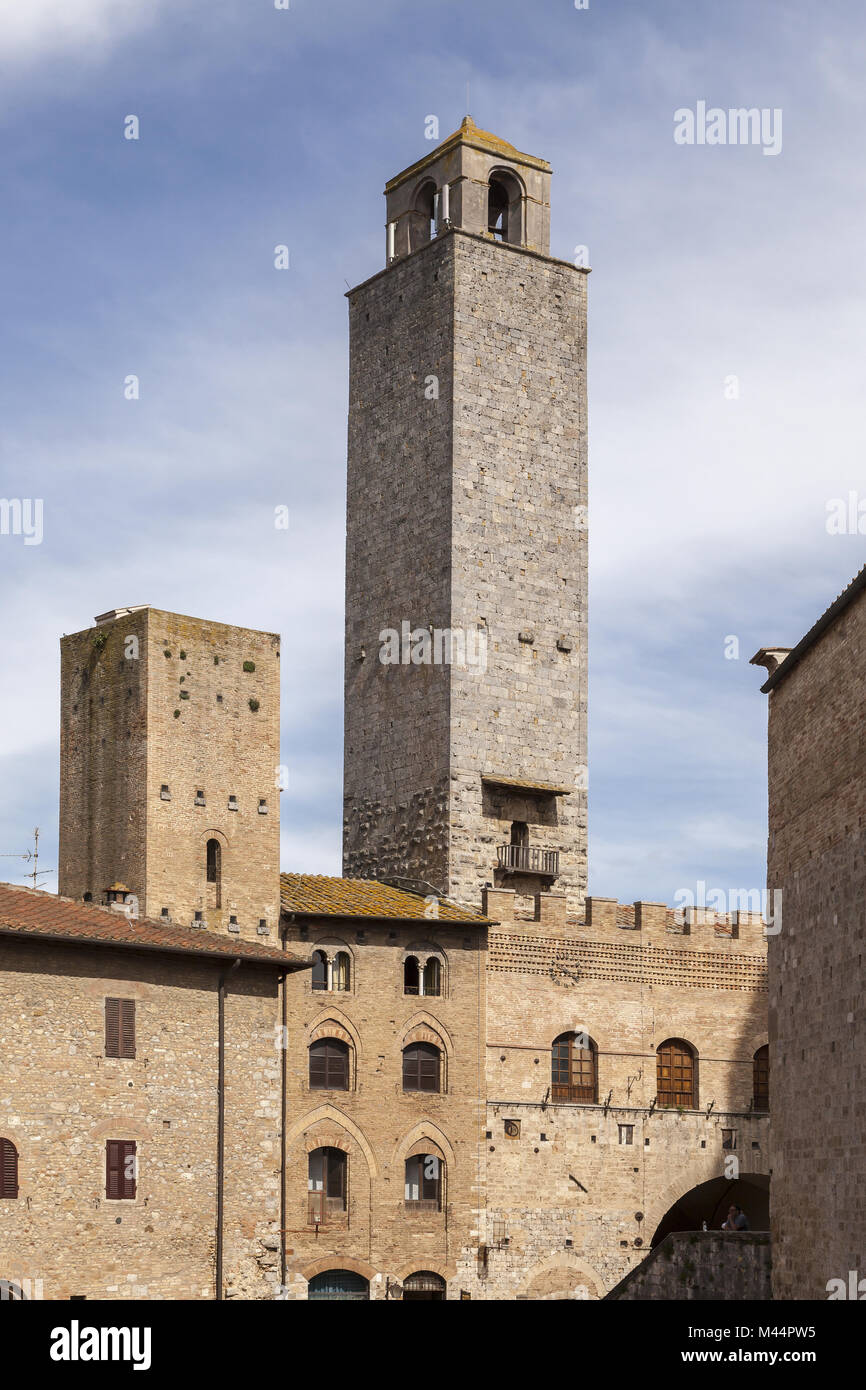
x=284 y=1102
x=221 y=1122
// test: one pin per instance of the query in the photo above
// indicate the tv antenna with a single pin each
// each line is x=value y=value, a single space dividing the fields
x=31 y=855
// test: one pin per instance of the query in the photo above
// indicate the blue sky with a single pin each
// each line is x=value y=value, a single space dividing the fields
x=261 y=126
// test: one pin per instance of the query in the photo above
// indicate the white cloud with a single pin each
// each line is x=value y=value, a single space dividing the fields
x=33 y=29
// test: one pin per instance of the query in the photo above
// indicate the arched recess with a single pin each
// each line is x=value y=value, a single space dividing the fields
x=445 y=1271
x=562 y=1278
x=423 y=1133
x=328 y=1115
x=423 y=1027
x=423 y=953
x=705 y=1200
x=331 y=947
x=321 y=1266
x=422 y=224
x=333 y=1023
x=506 y=200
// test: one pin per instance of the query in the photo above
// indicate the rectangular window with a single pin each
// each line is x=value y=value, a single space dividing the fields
x=626 y=1134
x=121 y=1169
x=120 y=1027
x=729 y=1138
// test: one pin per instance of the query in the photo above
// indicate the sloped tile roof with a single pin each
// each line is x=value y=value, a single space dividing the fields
x=28 y=913
x=316 y=895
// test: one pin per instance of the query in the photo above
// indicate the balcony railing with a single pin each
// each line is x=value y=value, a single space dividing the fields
x=528 y=859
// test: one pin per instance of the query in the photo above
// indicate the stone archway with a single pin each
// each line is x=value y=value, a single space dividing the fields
x=709 y=1201
x=560 y=1278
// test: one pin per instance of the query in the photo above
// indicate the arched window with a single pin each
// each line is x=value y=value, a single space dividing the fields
x=761 y=1079
x=8 y=1169
x=341 y=972
x=421 y=1067
x=574 y=1069
x=423 y=1190
x=320 y=970
x=497 y=210
x=329 y=1065
x=338 y=1286
x=433 y=976
x=424 y=1286
x=214 y=856
x=424 y=218
x=411 y=976
x=675 y=1075
x=326 y=1183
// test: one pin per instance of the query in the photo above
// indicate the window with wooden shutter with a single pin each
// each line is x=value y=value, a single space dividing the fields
x=421 y=1065
x=761 y=1077
x=675 y=1075
x=120 y=1028
x=121 y=1167
x=423 y=1183
x=329 y=1065
x=8 y=1169
x=574 y=1069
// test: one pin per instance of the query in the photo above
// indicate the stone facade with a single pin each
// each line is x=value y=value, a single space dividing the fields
x=155 y=709
x=375 y=1122
x=816 y=860
x=544 y=1197
x=466 y=515
x=62 y=1098
x=709 y=1266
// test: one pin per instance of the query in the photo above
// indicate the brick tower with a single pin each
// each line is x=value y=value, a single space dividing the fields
x=169 y=748
x=466 y=584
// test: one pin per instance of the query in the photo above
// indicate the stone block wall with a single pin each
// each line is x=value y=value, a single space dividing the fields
x=817 y=859
x=157 y=707
x=61 y=1098
x=466 y=514
x=704 y=1265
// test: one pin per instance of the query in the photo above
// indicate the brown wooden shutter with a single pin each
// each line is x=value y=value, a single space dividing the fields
x=8 y=1169
x=112 y=1027
x=127 y=1027
x=119 y=1169
x=120 y=1028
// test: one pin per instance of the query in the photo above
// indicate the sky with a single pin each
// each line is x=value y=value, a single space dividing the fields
x=726 y=360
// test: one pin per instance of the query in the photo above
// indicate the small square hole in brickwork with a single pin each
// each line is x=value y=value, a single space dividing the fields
x=755 y=1144
x=543 y=1138
x=569 y=1244
x=592 y=1137
x=219 y=699
x=703 y=1143
x=646 y=1143
x=488 y=1134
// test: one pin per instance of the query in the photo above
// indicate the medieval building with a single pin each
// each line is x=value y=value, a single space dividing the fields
x=817 y=866
x=485 y=1084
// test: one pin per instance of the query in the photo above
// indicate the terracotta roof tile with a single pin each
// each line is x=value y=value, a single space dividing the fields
x=28 y=913
x=315 y=895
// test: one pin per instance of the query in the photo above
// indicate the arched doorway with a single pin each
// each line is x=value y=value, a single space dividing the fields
x=709 y=1202
x=424 y=1287
x=338 y=1286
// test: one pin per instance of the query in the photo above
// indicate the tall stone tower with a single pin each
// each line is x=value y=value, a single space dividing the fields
x=466 y=584
x=169 y=749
